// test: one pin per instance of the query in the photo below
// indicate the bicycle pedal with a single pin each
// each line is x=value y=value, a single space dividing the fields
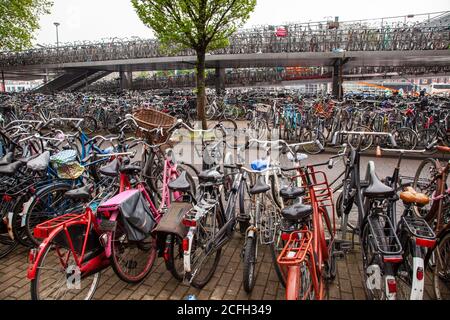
x=107 y=225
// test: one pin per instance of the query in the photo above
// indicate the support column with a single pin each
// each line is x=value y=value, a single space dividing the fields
x=126 y=80
x=337 y=79
x=220 y=80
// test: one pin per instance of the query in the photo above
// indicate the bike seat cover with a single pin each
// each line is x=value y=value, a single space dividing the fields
x=83 y=193
x=130 y=169
x=259 y=165
x=111 y=169
x=11 y=168
x=412 y=196
x=180 y=184
x=290 y=193
x=6 y=159
x=260 y=186
x=297 y=212
x=376 y=188
x=210 y=175
x=39 y=163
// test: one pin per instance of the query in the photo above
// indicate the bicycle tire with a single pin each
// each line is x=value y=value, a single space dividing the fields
x=420 y=185
x=174 y=246
x=297 y=281
x=200 y=283
x=35 y=287
x=438 y=274
x=249 y=262
x=147 y=246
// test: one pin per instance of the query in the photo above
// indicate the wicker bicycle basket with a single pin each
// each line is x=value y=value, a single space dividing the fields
x=151 y=119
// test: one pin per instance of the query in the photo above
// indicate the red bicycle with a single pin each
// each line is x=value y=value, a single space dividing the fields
x=308 y=257
x=77 y=246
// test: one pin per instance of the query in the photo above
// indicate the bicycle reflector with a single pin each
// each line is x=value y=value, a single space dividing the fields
x=7 y=198
x=285 y=236
x=392 y=259
x=185 y=244
x=392 y=285
x=427 y=243
x=419 y=274
x=32 y=255
x=189 y=223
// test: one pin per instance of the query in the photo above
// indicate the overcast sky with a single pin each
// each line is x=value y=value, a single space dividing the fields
x=97 y=19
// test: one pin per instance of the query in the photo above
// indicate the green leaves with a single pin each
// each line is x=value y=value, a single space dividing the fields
x=202 y=25
x=19 y=19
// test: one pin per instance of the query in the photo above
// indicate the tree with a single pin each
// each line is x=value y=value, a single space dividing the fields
x=19 y=19
x=202 y=25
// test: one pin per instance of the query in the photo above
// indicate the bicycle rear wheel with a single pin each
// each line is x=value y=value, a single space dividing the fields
x=58 y=277
x=425 y=173
x=299 y=285
x=206 y=262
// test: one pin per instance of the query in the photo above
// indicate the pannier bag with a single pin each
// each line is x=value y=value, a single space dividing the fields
x=136 y=215
x=66 y=164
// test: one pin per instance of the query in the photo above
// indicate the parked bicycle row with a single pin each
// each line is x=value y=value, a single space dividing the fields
x=302 y=37
x=85 y=204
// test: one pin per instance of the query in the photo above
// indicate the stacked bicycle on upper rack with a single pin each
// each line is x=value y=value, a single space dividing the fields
x=83 y=204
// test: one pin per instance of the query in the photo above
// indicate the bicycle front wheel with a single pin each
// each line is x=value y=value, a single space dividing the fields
x=131 y=260
x=441 y=274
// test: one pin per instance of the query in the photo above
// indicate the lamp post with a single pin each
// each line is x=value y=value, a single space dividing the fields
x=57 y=36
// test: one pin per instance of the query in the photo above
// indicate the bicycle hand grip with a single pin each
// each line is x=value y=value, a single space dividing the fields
x=330 y=164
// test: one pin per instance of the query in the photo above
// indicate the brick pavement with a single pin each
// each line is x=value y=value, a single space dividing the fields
x=227 y=280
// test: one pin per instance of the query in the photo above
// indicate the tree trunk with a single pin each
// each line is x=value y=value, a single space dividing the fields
x=201 y=95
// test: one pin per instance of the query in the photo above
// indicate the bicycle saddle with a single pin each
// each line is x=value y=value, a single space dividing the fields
x=376 y=188
x=296 y=212
x=83 y=193
x=130 y=169
x=210 y=175
x=260 y=186
x=290 y=193
x=10 y=169
x=180 y=184
x=111 y=169
x=6 y=159
x=412 y=196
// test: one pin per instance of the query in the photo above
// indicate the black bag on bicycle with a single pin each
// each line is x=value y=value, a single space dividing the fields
x=136 y=215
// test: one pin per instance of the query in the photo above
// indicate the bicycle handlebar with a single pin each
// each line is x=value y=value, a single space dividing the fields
x=362 y=133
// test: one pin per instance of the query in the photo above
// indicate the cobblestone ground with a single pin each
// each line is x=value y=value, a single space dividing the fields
x=227 y=281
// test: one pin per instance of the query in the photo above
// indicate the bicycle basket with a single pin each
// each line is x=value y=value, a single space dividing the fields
x=72 y=170
x=151 y=119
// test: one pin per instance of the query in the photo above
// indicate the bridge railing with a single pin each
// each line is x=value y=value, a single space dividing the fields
x=297 y=39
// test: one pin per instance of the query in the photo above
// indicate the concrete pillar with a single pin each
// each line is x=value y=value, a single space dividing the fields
x=220 y=80
x=126 y=80
x=337 y=80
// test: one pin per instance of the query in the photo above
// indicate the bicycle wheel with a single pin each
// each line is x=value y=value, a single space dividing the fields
x=131 y=260
x=427 y=136
x=174 y=258
x=313 y=135
x=249 y=262
x=89 y=125
x=406 y=138
x=299 y=285
x=18 y=223
x=245 y=205
x=57 y=275
x=373 y=282
x=425 y=173
x=205 y=262
x=47 y=204
x=7 y=245
x=275 y=249
x=441 y=274
x=355 y=140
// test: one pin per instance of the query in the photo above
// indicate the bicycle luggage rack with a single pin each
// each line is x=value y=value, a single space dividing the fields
x=296 y=249
x=418 y=227
x=200 y=209
x=42 y=231
x=268 y=227
x=385 y=237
